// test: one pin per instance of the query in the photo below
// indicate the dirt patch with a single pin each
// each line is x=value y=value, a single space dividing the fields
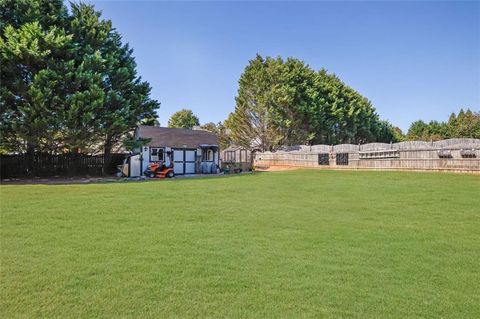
x=275 y=168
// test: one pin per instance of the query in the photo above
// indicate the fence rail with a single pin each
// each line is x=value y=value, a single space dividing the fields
x=44 y=165
x=463 y=155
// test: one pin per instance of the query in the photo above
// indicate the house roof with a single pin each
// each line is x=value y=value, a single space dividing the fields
x=176 y=137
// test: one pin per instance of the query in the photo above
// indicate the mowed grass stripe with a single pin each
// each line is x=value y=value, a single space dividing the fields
x=286 y=244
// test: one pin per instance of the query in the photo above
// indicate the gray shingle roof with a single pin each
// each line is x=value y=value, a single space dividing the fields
x=176 y=137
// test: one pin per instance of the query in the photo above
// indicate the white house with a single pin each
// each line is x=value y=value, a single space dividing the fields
x=194 y=151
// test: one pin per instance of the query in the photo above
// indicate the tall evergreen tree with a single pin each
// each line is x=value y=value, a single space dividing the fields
x=69 y=84
x=466 y=124
x=255 y=122
x=285 y=102
x=32 y=41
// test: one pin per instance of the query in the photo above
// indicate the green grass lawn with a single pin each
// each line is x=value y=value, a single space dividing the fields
x=285 y=244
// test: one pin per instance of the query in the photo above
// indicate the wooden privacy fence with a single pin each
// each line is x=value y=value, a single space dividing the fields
x=447 y=155
x=21 y=165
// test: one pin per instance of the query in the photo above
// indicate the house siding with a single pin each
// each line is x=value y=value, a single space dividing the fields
x=146 y=157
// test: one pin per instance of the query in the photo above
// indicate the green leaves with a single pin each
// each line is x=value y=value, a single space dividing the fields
x=286 y=102
x=183 y=119
x=221 y=131
x=68 y=82
x=466 y=124
x=30 y=43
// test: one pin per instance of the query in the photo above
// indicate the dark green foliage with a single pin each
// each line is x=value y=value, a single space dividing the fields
x=183 y=119
x=272 y=105
x=386 y=132
x=466 y=124
x=221 y=131
x=130 y=143
x=68 y=82
x=349 y=117
x=417 y=130
x=150 y=121
x=19 y=12
x=286 y=102
x=31 y=51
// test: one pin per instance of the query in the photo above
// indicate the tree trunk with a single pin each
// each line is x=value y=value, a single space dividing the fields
x=107 y=156
x=30 y=159
x=252 y=158
x=74 y=164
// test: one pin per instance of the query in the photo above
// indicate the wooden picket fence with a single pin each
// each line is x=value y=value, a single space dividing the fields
x=45 y=165
x=459 y=154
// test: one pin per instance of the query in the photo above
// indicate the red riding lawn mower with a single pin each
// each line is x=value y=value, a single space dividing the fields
x=160 y=170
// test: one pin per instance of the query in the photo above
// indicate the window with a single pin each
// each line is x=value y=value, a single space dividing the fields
x=229 y=156
x=468 y=153
x=243 y=156
x=444 y=154
x=342 y=159
x=156 y=154
x=379 y=154
x=323 y=159
x=207 y=155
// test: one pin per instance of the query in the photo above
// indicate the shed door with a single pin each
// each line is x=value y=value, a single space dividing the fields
x=178 y=161
x=190 y=161
x=135 y=167
x=184 y=161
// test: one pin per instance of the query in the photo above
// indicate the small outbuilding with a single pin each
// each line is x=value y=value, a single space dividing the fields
x=193 y=151
x=237 y=156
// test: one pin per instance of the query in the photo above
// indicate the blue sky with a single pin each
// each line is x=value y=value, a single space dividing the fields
x=413 y=60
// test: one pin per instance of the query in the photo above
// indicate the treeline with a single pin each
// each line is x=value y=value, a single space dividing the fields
x=465 y=124
x=69 y=86
x=68 y=83
x=285 y=102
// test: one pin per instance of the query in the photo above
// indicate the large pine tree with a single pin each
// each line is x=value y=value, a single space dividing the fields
x=286 y=102
x=32 y=45
x=69 y=84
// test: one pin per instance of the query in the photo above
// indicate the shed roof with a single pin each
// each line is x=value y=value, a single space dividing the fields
x=176 y=137
x=235 y=148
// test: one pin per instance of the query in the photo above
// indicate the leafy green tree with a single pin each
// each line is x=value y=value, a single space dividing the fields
x=150 y=121
x=387 y=133
x=132 y=144
x=210 y=126
x=221 y=131
x=437 y=130
x=398 y=135
x=70 y=82
x=85 y=94
x=417 y=130
x=253 y=124
x=32 y=41
x=286 y=102
x=183 y=119
x=19 y=12
x=348 y=116
x=466 y=124
x=128 y=101
x=273 y=104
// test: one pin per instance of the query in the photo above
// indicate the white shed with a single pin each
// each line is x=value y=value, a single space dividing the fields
x=194 y=151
